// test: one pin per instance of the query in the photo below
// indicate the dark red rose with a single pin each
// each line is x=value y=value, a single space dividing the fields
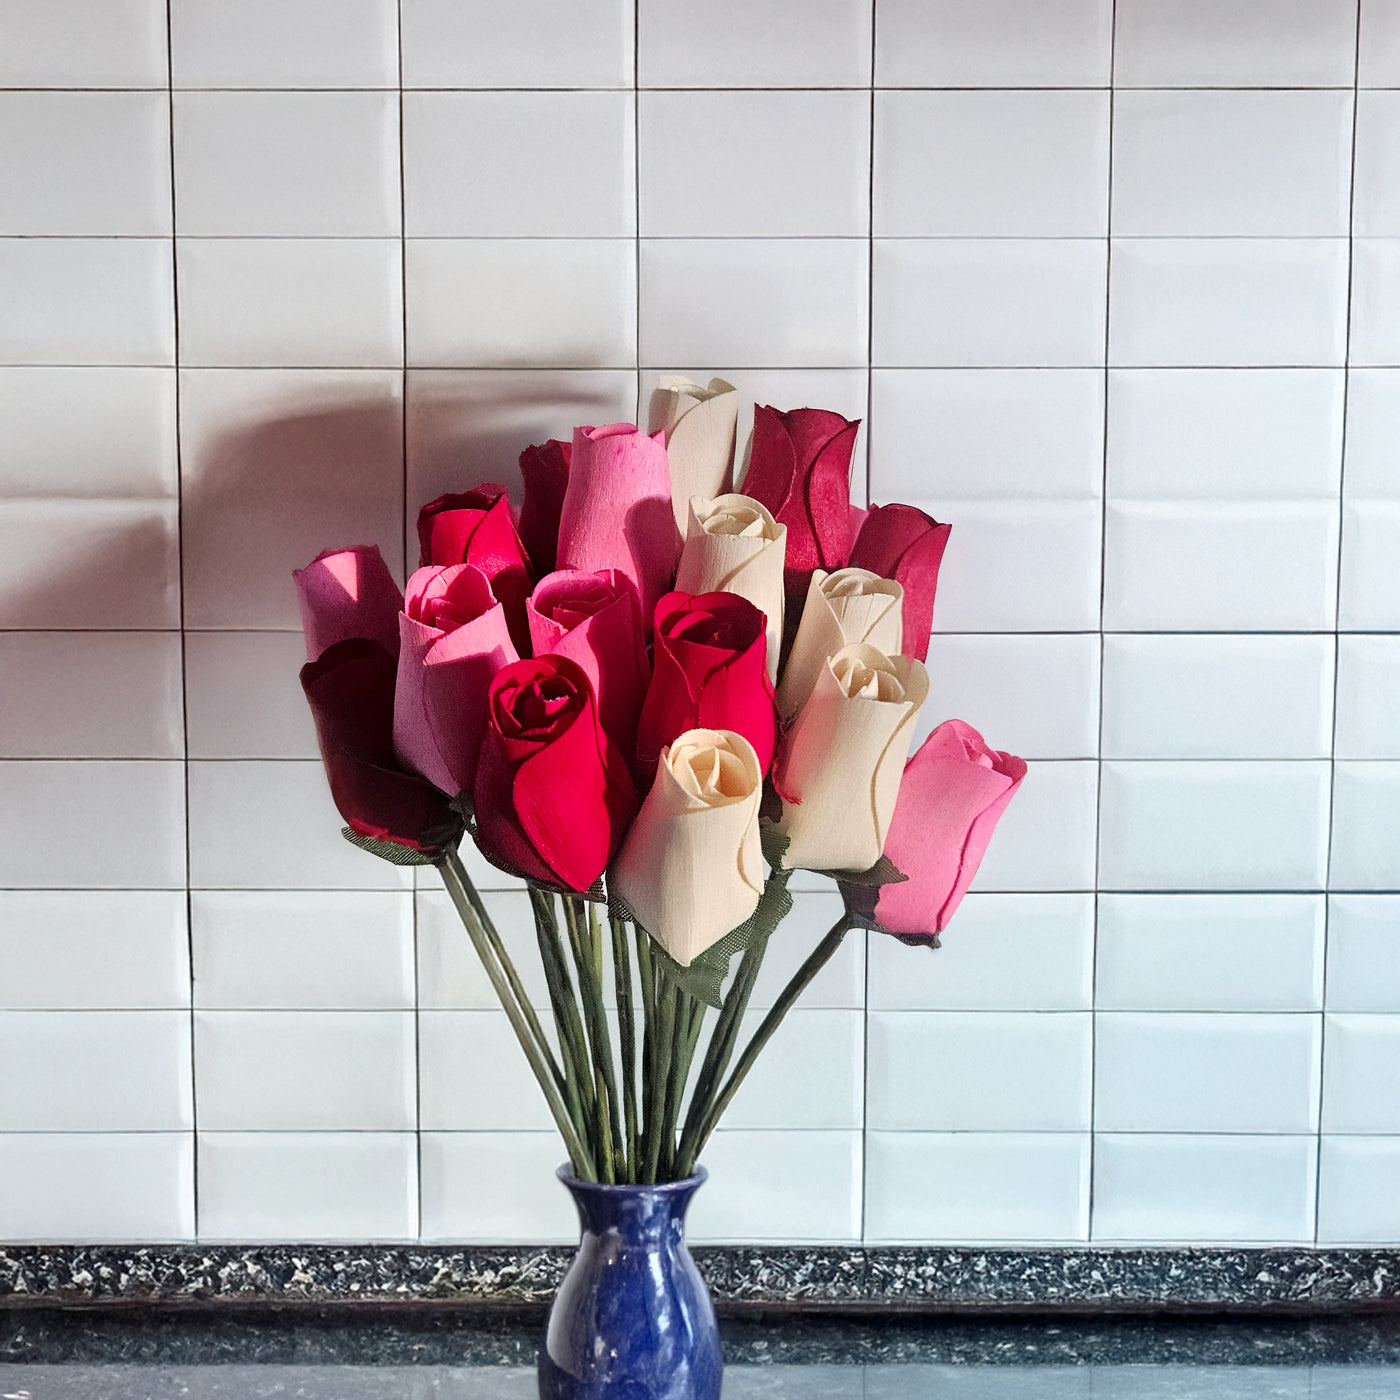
x=545 y=473
x=902 y=543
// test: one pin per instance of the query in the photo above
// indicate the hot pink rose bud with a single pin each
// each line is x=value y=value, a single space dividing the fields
x=902 y=543
x=545 y=473
x=617 y=510
x=348 y=593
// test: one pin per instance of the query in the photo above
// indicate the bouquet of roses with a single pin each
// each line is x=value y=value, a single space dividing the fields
x=653 y=698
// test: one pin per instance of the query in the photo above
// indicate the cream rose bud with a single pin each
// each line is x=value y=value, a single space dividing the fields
x=691 y=868
x=841 y=761
x=699 y=424
x=848 y=606
x=733 y=545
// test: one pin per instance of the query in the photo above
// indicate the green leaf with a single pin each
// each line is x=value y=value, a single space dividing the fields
x=883 y=872
x=393 y=851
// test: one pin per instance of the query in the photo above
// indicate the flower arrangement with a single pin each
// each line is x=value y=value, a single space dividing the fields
x=652 y=698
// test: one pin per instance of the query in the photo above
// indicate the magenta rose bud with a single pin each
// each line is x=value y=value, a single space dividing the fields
x=800 y=468
x=348 y=593
x=902 y=543
x=617 y=510
x=595 y=620
x=951 y=797
x=544 y=470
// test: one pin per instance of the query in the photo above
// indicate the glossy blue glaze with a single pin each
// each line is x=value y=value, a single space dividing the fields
x=632 y=1319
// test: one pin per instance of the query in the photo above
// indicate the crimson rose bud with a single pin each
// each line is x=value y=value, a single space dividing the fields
x=545 y=473
x=350 y=689
x=710 y=671
x=800 y=468
x=474 y=527
x=553 y=795
x=902 y=543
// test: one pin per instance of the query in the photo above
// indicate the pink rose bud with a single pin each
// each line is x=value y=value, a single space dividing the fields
x=348 y=593
x=545 y=473
x=902 y=543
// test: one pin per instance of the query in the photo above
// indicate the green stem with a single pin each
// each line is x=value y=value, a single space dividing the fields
x=627 y=1034
x=596 y=1026
x=690 y=1016
x=663 y=1051
x=595 y=930
x=646 y=979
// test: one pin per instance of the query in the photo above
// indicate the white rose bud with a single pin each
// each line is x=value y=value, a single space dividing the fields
x=733 y=545
x=848 y=606
x=843 y=758
x=691 y=868
x=699 y=425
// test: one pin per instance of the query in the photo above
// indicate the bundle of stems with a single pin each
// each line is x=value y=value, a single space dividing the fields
x=620 y=1100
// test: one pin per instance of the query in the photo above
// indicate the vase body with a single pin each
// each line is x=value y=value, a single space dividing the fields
x=632 y=1319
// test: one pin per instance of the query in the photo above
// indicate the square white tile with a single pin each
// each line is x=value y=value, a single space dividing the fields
x=284 y=44
x=1152 y=1188
x=454 y=1093
x=1207 y=566
x=302 y=950
x=242 y=699
x=87 y=301
x=1213 y=826
x=1222 y=696
x=754 y=164
x=995 y=44
x=1253 y=43
x=301 y=301
x=1002 y=1071
x=1036 y=696
x=1373 y=434
x=1377 y=208
x=952 y=434
x=272 y=825
x=964 y=164
x=1224 y=434
x=289 y=164
x=812 y=1074
x=90 y=695
x=1379 y=57
x=1219 y=1072
x=90 y=1188
x=1368 y=685
x=1012 y=301
x=87 y=432
x=95 y=1071
x=1370 y=591
x=1363 y=952
x=1361 y=1074
x=1003 y=952
x=840 y=984
x=279 y=465
x=304 y=1071
x=1365 y=818
x=530 y=44
x=125 y=818
x=499 y=303
x=307 y=1186
x=1045 y=840
x=1263 y=952
x=85 y=163
x=1359 y=1190
x=83 y=43
x=81 y=950
x=1375 y=300
x=991 y=1187
x=1203 y=164
x=450 y=975
x=495 y=1188
x=761 y=302
x=464 y=153
x=1239 y=301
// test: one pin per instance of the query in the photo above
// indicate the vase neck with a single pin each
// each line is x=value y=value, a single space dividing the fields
x=637 y=1213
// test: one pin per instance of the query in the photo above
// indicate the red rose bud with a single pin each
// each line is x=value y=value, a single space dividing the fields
x=454 y=639
x=553 y=795
x=800 y=468
x=710 y=672
x=951 y=797
x=474 y=527
x=902 y=543
x=545 y=473
x=350 y=689
x=595 y=620
x=348 y=593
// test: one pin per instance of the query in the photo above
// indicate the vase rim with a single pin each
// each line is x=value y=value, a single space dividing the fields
x=565 y=1173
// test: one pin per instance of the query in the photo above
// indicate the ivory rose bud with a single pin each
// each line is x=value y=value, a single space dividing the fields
x=902 y=543
x=617 y=509
x=595 y=620
x=544 y=471
x=953 y=793
x=850 y=605
x=348 y=593
x=691 y=868
x=453 y=639
x=710 y=672
x=800 y=468
x=699 y=427
x=733 y=545
x=840 y=764
x=553 y=795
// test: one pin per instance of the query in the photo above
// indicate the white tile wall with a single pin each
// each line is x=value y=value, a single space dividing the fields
x=1113 y=293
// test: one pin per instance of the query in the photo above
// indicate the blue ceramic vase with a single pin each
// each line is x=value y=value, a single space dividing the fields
x=632 y=1319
